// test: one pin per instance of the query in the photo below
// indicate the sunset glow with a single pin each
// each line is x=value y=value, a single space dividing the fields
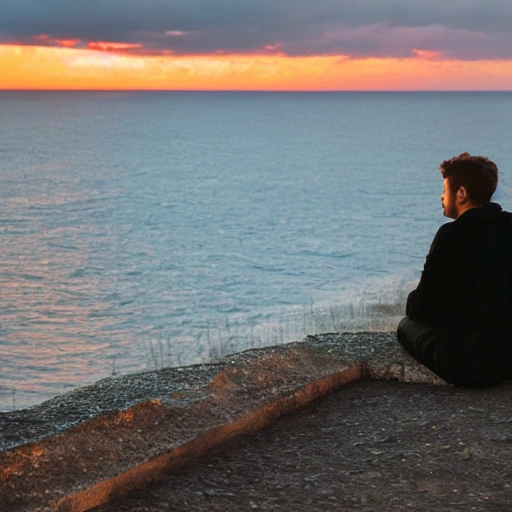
x=290 y=45
x=112 y=66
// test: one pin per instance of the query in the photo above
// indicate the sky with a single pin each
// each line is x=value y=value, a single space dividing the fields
x=256 y=44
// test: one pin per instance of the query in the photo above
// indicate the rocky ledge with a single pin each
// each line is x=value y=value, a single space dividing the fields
x=89 y=446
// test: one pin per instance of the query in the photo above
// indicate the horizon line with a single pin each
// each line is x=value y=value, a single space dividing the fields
x=287 y=91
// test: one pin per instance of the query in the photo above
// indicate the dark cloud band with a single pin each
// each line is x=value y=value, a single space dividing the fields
x=459 y=29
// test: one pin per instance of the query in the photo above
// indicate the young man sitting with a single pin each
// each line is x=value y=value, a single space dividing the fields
x=458 y=320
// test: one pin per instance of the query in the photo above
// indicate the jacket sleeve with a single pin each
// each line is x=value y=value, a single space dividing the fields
x=428 y=302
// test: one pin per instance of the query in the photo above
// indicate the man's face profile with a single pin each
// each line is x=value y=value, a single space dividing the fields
x=449 y=202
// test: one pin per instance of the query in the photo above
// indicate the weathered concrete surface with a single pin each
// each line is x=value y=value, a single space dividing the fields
x=370 y=446
x=84 y=448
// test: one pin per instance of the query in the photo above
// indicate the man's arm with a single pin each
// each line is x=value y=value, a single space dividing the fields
x=429 y=302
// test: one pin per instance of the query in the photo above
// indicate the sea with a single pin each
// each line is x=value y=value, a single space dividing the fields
x=147 y=229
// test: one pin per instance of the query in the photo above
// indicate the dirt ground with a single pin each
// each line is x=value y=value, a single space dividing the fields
x=372 y=446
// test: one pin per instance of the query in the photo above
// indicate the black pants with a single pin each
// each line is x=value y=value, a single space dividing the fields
x=438 y=352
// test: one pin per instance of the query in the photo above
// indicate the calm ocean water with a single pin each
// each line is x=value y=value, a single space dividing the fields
x=147 y=229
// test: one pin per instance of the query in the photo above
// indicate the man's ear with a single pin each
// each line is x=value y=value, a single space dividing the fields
x=462 y=195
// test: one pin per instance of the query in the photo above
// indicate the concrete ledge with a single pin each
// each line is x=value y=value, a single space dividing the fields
x=81 y=450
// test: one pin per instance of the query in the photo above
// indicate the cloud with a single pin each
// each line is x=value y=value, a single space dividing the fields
x=426 y=54
x=466 y=29
x=89 y=60
x=113 y=47
x=175 y=33
x=47 y=40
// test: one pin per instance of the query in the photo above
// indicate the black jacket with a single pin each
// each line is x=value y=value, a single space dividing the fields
x=465 y=288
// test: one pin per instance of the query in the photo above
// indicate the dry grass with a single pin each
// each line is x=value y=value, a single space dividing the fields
x=233 y=335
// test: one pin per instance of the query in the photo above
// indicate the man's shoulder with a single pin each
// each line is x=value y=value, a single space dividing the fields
x=472 y=222
x=488 y=213
x=445 y=230
x=452 y=233
x=444 y=240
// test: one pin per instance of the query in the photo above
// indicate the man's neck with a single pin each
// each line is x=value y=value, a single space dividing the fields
x=463 y=208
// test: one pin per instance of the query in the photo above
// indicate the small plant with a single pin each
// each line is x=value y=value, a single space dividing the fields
x=114 y=372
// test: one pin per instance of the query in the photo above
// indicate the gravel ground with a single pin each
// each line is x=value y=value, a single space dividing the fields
x=371 y=446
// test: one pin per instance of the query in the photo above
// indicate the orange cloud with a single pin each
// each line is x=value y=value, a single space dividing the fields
x=47 y=40
x=41 y=37
x=42 y=67
x=112 y=47
x=67 y=43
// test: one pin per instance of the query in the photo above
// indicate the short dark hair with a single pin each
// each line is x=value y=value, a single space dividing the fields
x=477 y=174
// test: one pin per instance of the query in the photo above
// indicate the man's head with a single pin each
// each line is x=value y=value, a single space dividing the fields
x=469 y=182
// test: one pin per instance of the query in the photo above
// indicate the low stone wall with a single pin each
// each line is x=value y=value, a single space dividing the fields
x=86 y=447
